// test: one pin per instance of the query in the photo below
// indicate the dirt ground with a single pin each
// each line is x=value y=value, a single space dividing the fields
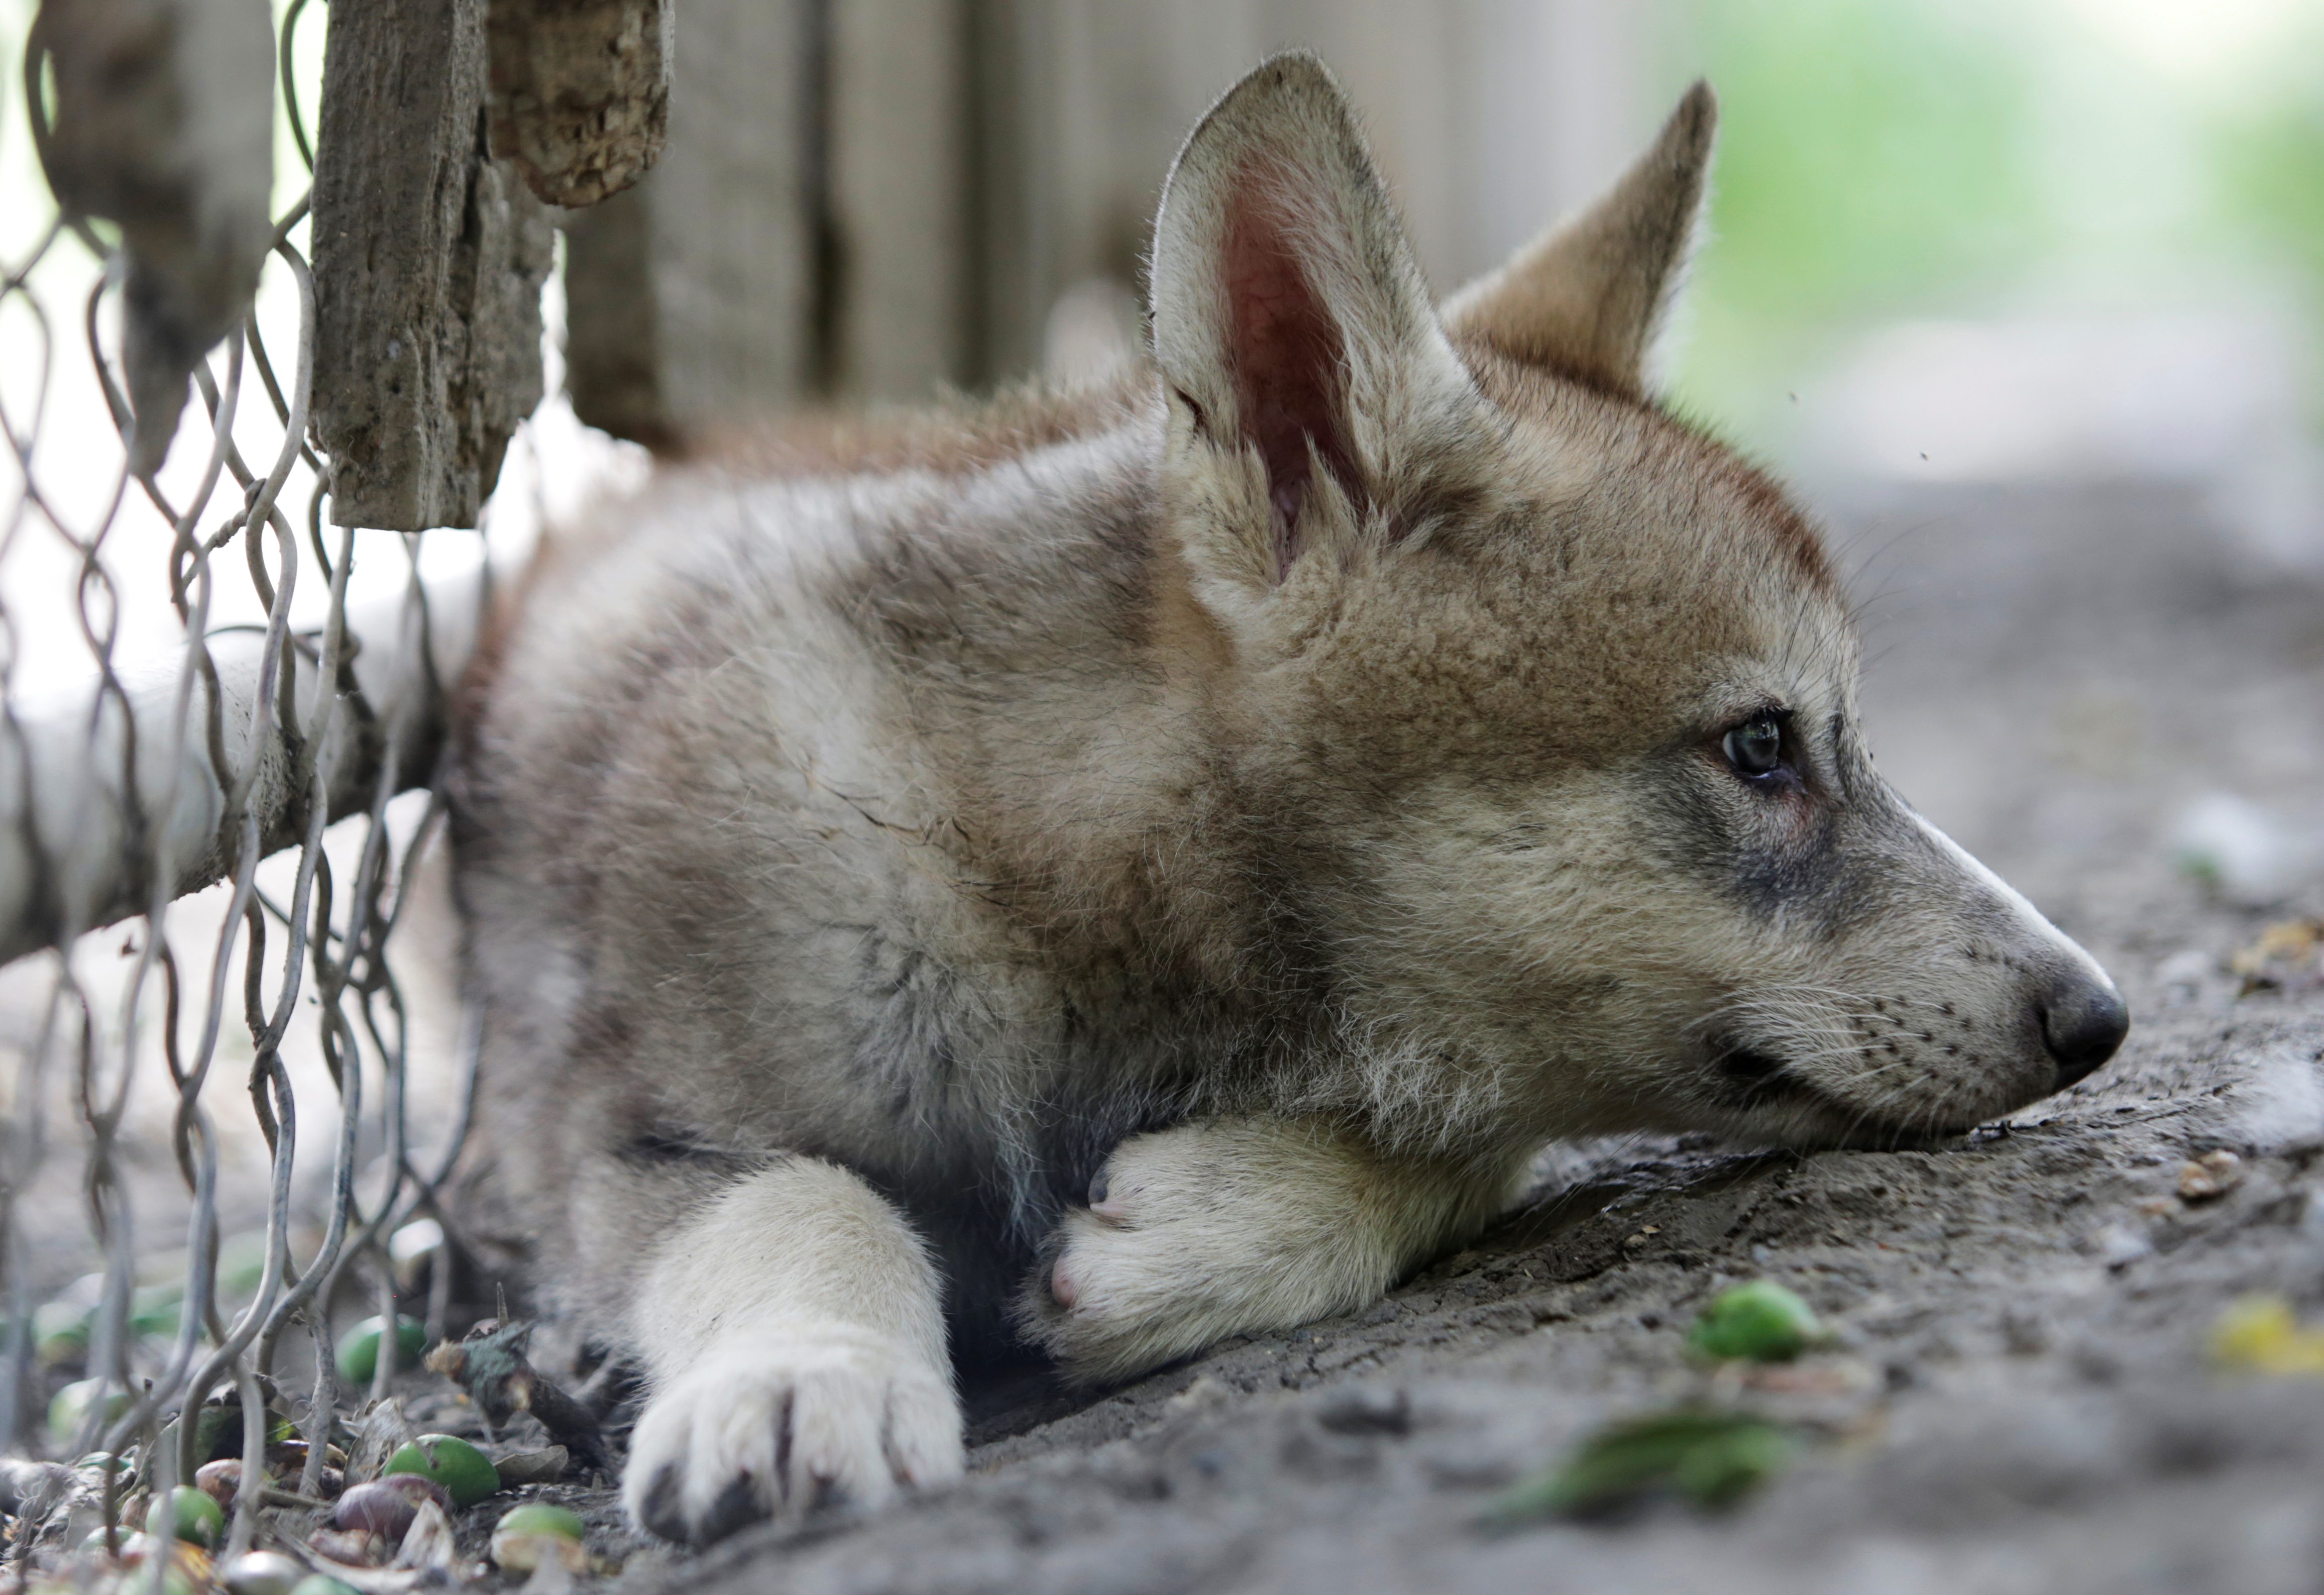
x=2020 y=1396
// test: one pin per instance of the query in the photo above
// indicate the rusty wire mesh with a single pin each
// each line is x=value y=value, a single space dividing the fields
x=160 y=1077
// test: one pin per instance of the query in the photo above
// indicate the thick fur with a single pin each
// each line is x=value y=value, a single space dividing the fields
x=1127 y=869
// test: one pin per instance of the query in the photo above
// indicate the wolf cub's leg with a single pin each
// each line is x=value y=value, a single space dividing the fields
x=793 y=1333
x=1220 y=1227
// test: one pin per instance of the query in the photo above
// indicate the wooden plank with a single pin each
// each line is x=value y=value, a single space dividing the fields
x=580 y=92
x=862 y=198
x=428 y=261
x=690 y=299
x=898 y=179
x=613 y=330
x=1009 y=216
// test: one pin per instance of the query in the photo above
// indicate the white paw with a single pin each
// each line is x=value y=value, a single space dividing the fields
x=1116 y=1301
x=778 y=1428
x=1194 y=1234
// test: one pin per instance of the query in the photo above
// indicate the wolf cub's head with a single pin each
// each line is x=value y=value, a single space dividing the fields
x=1542 y=704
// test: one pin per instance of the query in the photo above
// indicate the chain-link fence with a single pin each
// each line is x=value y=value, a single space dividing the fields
x=207 y=689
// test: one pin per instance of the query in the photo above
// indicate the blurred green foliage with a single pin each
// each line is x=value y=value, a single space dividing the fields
x=1886 y=158
x=1873 y=155
x=2269 y=155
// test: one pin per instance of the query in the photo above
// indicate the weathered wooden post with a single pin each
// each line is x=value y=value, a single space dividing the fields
x=806 y=234
x=580 y=93
x=691 y=298
x=899 y=175
x=428 y=261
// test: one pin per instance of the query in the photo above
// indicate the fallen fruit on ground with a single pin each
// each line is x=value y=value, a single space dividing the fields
x=528 y=1535
x=124 y=1539
x=2260 y=1334
x=154 y=1309
x=1760 y=1321
x=70 y=1408
x=187 y=1513
x=59 y=1331
x=466 y=1474
x=261 y=1572
x=386 y=1506
x=220 y=1480
x=1710 y=1458
x=358 y=1350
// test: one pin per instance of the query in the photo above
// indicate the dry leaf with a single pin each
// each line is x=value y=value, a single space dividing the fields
x=428 y=1542
x=2289 y=953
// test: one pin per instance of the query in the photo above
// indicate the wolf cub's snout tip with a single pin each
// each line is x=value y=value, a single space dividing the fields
x=2083 y=1022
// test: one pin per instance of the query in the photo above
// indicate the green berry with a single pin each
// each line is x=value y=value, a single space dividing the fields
x=188 y=1514
x=1711 y=1458
x=358 y=1349
x=1719 y=1472
x=154 y=1309
x=1760 y=1321
x=70 y=1408
x=466 y=1474
x=59 y=1331
x=124 y=1539
x=531 y=1533
x=541 y=1518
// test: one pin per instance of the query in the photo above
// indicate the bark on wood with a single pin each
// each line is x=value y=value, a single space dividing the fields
x=580 y=92
x=164 y=124
x=428 y=261
x=690 y=299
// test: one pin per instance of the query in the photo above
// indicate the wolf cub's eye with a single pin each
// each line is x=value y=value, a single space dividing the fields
x=1756 y=748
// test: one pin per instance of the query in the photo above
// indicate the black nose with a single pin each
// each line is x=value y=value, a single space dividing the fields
x=2082 y=1023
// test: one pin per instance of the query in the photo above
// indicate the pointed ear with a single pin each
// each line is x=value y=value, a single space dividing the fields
x=1586 y=298
x=1294 y=331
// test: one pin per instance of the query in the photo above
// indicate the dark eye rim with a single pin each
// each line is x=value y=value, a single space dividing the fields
x=1782 y=771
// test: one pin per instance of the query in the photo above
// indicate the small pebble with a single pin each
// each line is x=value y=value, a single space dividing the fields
x=2215 y=1174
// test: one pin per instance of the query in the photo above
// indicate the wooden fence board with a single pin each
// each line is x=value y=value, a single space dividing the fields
x=864 y=198
x=690 y=298
x=428 y=261
x=580 y=92
x=899 y=178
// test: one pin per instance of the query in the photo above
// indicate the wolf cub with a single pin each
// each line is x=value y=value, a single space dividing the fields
x=1113 y=870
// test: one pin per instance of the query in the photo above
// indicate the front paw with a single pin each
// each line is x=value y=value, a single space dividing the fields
x=1194 y=1234
x=780 y=1426
x=1109 y=1302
